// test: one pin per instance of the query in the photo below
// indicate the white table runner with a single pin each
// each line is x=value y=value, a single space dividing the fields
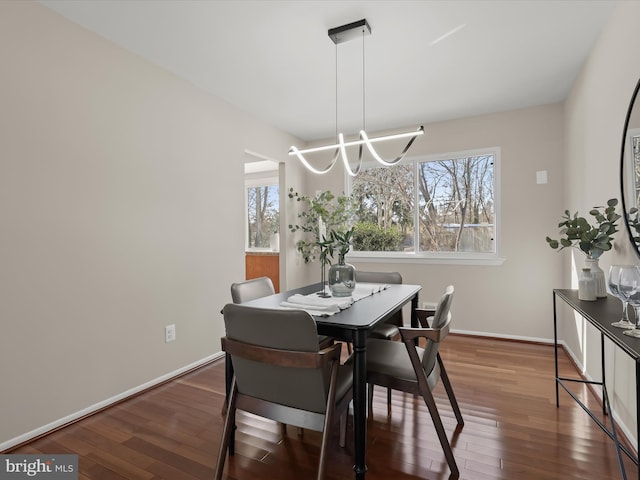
x=319 y=306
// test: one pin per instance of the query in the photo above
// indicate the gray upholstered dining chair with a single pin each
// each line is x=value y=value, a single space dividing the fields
x=261 y=287
x=251 y=289
x=404 y=366
x=286 y=378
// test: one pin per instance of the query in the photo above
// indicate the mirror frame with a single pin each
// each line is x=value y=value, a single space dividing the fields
x=623 y=148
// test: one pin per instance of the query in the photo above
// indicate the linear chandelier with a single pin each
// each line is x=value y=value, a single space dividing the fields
x=340 y=35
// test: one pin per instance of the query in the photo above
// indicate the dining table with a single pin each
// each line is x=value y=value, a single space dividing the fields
x=353 y=325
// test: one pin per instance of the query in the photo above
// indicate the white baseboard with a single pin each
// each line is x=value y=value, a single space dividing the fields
x=105 y=403
x=503 y=336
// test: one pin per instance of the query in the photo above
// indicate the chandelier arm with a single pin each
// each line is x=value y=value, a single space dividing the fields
x=420 y=131
x=297 y=153
x=360 y=156
x=345 y=158
x=395 y=161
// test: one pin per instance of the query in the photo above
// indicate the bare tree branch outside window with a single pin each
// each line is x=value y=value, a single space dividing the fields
x=454 y=199
x=263 y=217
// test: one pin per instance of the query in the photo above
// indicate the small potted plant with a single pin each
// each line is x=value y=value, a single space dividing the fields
x=592 y=239
x=342 y=276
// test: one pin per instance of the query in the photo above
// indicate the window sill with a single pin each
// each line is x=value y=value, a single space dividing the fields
x=263 y=251
x=439 y=259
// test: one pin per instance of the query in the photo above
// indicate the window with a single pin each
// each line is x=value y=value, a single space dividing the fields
x=633 y=167
x=263 y=213
x=441 y=208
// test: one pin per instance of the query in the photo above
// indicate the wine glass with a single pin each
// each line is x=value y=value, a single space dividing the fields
x=614 y=280
x=629 y=286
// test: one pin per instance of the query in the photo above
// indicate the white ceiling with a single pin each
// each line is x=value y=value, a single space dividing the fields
x=274 y=58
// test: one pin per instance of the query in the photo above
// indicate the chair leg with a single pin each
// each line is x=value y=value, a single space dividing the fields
x=343 y=430
x=228 y=379
x=393 y=338
x=328 y=418
x=388 y=400
x=442 y=435
x=449 y=390
x=226 y=432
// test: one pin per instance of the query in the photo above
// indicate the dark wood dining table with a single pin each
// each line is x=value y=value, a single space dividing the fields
x=354 y=325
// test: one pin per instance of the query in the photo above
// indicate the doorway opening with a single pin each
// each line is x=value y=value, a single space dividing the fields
x=262 y=218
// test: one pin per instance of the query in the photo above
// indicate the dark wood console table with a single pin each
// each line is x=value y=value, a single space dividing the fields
x=600 y=314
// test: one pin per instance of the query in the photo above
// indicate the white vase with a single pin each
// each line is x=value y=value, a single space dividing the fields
x=598 y=277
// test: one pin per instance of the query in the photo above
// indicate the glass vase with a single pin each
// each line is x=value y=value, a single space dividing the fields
x=342 y=278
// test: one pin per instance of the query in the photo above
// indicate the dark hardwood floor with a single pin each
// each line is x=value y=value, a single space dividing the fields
x=506 y=391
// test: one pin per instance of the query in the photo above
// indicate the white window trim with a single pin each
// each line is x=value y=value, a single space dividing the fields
x=443 y=258
x=429 y=258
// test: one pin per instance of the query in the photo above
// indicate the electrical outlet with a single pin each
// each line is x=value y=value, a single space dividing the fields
x=169 y=333
x=541 y=177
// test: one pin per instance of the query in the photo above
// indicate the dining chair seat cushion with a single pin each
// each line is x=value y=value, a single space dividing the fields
x=385 y=331
x=391 y=359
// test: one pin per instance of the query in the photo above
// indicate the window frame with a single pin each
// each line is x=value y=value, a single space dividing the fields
x=444 y=258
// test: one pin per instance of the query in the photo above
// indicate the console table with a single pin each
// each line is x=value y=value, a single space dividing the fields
x=600 y=313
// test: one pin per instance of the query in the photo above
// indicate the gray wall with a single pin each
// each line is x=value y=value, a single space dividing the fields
x=121 y=202
x=594 y=118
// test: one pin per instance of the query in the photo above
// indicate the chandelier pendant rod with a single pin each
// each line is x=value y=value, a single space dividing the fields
x=336 y=92
x=364 y=127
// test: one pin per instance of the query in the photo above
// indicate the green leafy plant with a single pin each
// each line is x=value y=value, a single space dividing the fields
x=591 y=239
x=336 y=213
x=342 y=242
